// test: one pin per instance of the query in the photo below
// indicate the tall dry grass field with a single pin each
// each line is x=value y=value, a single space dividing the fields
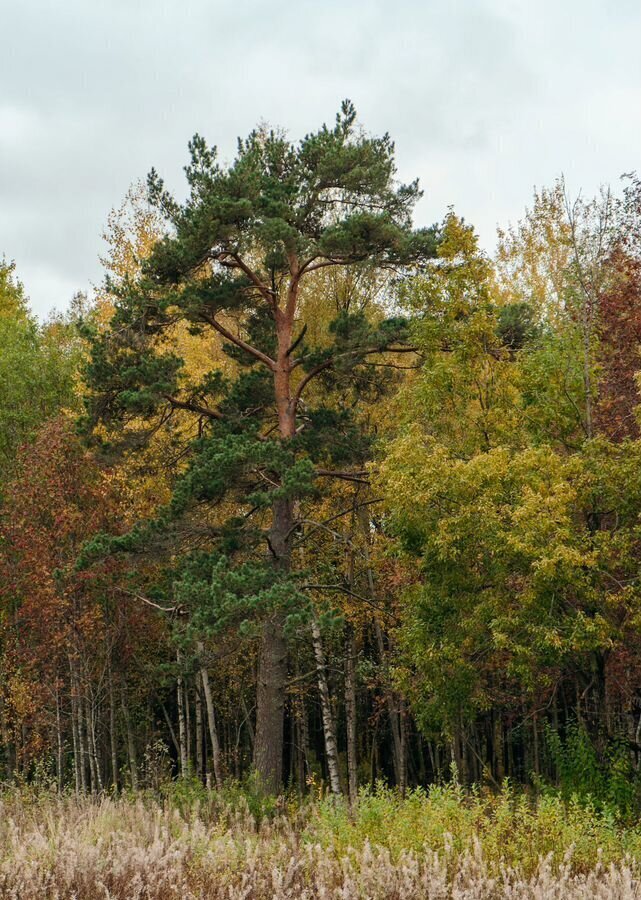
x=437 y=845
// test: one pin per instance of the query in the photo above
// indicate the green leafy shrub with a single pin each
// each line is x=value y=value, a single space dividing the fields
x=607 y=780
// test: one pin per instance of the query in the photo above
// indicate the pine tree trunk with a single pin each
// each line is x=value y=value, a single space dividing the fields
x=270 y=705
x=329 y=728
x=272 y=669
x=298 y=744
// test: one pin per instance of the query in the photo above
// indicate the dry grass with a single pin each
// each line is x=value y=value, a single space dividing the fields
x=66 y=848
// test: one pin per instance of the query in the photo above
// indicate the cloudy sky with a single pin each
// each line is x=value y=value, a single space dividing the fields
x=484 y=98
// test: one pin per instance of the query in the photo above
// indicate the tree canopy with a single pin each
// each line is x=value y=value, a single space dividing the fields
x=305 y=496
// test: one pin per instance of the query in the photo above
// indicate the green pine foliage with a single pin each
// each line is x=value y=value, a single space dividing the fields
x=235 y=254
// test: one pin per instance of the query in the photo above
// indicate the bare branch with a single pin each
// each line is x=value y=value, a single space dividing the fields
x=239 y=342
x=166 y=609
x=298 y=340
x=239 y=263
x=325 y=522
x=359 y=477
x=340 y=588
x=328 y=363
x=194 y=407
x=308 y=377
x=311 y=266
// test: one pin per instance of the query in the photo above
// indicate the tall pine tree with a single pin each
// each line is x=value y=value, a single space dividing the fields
x=236 y=260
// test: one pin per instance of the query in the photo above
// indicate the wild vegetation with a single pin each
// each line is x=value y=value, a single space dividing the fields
x=307 y=500
x=228 y=845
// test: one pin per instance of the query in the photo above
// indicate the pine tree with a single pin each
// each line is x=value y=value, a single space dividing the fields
x=236 y=261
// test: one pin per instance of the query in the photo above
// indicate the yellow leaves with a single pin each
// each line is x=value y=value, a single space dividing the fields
x=501 y=505
x=460 y=284
x=458 y=239
x=132 y=230
x=19 y=693
x=533 y=256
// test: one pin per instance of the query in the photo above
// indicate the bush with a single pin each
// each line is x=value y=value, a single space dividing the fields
x=607 y=780
x=510 y=827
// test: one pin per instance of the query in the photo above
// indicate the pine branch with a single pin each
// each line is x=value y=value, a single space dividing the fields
x=195 y=407
x=239 y=342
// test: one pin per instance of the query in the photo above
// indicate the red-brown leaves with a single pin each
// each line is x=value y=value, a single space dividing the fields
x=620 y=357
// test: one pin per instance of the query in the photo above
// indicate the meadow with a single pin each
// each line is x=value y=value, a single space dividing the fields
x=188 y=843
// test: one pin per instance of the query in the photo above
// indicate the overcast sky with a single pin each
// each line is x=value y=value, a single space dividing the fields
x=484 y=98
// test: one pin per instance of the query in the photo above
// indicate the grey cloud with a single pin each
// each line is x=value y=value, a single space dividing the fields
x=483 y=97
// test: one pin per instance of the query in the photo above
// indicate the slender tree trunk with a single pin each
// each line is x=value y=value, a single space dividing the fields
x=237 y=751
x=211 y=721
x=113 y=737
x=402 y=765
x=375 y=766
x=499 y=760
x=200 y=769
x=300 y=758
x=131 y=745
x=74 y=735
x=390 y=699
x=182 y=725
x=247 y=719
x=77 y=715
x=86 y=728
x=59 y=741
x=170 y=728
x=6 y=738
x=329 y=728
x=85 y=763
x=186 y=694
x=350 y=714
x=455 y=754
x=304 y=748
x=94 y=761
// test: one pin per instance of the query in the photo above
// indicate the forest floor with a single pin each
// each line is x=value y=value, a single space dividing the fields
x=188 y=844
